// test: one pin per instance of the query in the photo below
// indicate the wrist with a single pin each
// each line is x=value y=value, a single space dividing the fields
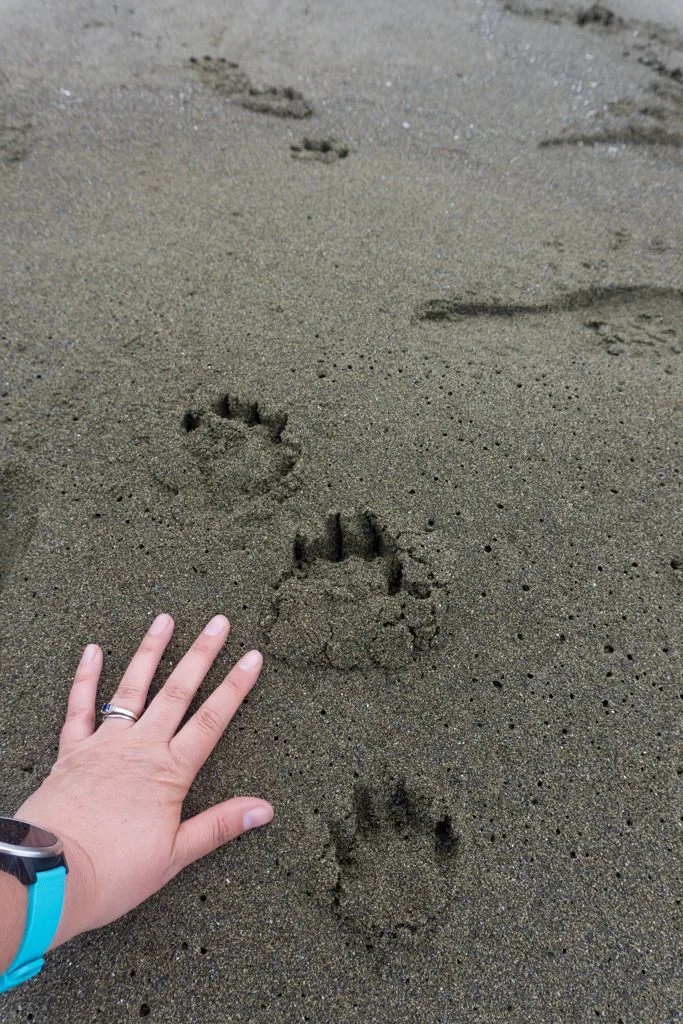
x=38 y=908
x=77 y=893
x=79 y=882
x=13 y=901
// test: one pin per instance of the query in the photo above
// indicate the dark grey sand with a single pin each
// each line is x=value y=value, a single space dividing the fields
x=403 y=401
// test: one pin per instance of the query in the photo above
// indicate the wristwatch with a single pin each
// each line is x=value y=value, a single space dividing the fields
x=35 y=856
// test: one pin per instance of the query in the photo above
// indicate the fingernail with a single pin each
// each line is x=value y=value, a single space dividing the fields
x=217 y=625
x=159 y=624
x=89 y=653
x=250 y=660
x=257 y=816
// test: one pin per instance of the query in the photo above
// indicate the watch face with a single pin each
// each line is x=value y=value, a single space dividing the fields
x=24 y=834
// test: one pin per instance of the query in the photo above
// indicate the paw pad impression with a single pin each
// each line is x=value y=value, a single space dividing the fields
x=354 y=596
x=391 y=865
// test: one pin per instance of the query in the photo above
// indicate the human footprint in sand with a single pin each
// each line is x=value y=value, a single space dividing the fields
x=103 y=831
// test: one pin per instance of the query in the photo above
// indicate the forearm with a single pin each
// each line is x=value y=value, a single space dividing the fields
x=13 y=903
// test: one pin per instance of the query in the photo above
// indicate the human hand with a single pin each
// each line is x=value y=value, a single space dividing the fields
x=114 y=795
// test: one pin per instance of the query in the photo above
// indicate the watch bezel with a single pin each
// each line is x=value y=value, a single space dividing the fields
x=35 y=852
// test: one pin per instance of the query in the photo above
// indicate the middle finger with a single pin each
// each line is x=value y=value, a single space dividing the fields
x=167 y=709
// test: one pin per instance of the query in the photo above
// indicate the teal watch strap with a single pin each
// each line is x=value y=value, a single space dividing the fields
x=45 y=900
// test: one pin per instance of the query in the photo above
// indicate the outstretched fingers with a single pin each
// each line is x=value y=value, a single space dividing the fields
x=167 y=710
x=80 y=711
x=193 y=743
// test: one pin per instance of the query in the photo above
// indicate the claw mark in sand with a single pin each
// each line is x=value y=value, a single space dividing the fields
x=354 y=596
x=234 y=449
x=389 y=867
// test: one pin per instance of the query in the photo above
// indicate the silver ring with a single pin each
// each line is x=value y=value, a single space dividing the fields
x=111 y=711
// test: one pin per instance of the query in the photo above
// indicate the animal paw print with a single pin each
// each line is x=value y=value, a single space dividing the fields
x=220 y=74
x=654 y=331
x=353 y=596
x=225 y=77
x=238 y=449
x=391 y=864
x=643 y=121
x=327 y=151
x=14 y=143
x=276 y=99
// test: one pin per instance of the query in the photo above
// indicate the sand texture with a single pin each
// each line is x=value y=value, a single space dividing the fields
x=362 y=323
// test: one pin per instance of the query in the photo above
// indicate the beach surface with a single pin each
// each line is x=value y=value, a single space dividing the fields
x=360 y=323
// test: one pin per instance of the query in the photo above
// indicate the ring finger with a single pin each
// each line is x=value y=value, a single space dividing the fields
x=131 y=692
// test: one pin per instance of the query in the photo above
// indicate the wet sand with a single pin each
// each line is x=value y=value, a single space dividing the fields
x=360 y=323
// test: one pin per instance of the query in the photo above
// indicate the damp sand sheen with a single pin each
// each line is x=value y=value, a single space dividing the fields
x=362 y=326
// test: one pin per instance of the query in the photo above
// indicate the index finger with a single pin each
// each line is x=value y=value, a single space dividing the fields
x=192 y=744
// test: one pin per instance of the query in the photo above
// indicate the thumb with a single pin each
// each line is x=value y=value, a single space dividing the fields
x=218 y=825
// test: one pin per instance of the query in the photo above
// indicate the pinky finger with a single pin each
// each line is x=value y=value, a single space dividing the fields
x=80 y=712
